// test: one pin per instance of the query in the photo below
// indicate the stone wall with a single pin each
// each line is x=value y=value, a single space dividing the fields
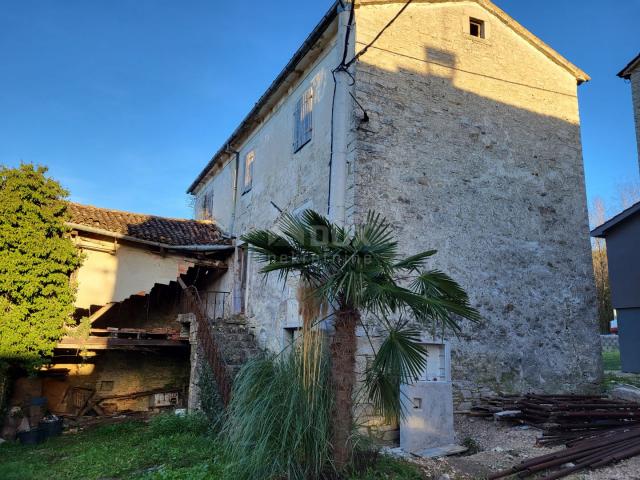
x=119 y=373
x=473 y=148
x=282 y=179
x=609 y=343
x=635 y=92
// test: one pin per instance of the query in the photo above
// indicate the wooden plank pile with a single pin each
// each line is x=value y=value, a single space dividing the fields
x=596 y=430
x=595 y=451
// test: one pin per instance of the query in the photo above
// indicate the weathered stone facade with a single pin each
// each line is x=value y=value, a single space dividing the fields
x=473 y=148
x=635 y=92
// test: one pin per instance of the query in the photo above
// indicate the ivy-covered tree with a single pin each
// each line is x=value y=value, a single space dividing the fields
x=37 y=259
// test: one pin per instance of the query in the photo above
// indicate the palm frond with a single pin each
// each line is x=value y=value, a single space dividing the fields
x=446 y=297
x=438 y=283
x=414 y=262
x=268 y=245
x=360 y=270
x=326 y=232
x=400 y=360
x=374 y=241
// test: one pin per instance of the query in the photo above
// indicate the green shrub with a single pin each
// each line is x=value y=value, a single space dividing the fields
x=278 y=427
x=472 y=445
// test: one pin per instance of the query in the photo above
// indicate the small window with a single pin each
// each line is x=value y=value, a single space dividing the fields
x=303 y=120
x=292 y=335
x=417 y=403
x=476 y=28
x=248 y=170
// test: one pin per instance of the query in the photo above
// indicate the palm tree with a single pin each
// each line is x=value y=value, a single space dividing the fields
x=360 y=272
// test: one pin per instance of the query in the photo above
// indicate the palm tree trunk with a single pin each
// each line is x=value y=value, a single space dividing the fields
x=343 y=359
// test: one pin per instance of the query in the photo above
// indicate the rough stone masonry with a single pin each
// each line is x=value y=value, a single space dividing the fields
x=473 y=148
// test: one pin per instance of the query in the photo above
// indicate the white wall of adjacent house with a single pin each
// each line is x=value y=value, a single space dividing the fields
x=113 y=272
x=215 y=199
x=283 y=166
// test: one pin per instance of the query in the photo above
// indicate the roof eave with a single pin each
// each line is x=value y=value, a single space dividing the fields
x=120 y=236
x=289 y=68
x=580 y=75
x=601 y=231
x=630 y=67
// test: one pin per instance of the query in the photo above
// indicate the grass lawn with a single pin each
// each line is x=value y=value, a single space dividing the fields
x=611 y=360
x=613 y=376
x=167 y=448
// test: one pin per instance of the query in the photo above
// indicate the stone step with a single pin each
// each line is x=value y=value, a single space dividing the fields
x=236 y=342
x=231 y=330
x=234 y=337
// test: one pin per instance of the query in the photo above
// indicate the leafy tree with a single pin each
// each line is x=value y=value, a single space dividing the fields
x=598 y=216
x=358 y=273
x=37 y=259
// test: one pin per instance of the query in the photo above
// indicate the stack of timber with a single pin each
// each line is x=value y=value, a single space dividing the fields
x=597 y=430
x=595 y=451
x=561 y=417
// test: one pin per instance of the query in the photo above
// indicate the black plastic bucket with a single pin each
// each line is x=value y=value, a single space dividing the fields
x=51 y=428
x=32 y=437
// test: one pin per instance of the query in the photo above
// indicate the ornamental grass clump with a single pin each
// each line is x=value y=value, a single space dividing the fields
x=278 y=423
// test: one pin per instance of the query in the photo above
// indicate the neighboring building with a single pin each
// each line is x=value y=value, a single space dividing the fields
x=632 y=73
x=135 y=356
x=462 y=128
x=622 y=234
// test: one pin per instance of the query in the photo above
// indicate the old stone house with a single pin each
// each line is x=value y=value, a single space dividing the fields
x=462 y=128
x=131 y=353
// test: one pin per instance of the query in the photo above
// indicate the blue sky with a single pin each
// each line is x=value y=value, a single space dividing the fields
x=126 y=100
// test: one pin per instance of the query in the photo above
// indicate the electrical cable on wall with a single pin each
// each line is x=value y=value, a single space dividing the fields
x=339 y=68
x=344 y=68
x=375 y=39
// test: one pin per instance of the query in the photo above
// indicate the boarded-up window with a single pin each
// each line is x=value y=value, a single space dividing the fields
x=206 y=206
x=248 y=170
x=303 y=120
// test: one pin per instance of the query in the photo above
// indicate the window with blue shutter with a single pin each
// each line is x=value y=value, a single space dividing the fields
x=303 y=120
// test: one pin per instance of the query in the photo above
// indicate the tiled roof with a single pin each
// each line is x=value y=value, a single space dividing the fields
x=167 y=231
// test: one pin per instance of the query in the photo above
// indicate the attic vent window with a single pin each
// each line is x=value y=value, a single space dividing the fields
x=476 y=28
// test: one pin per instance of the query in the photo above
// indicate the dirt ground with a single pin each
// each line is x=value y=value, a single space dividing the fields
x=501 y=446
